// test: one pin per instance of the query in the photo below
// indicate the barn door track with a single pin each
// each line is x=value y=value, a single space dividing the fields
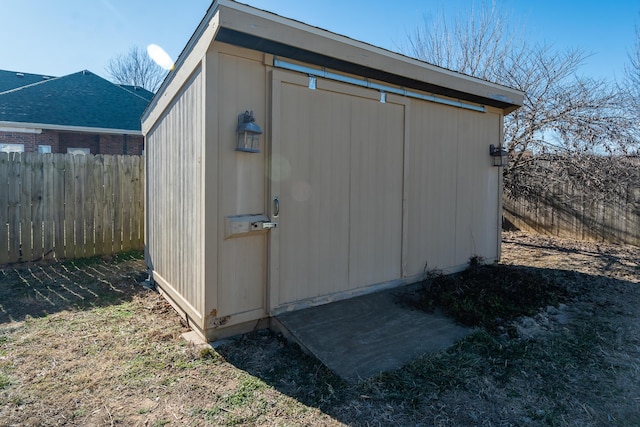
x=370 y=334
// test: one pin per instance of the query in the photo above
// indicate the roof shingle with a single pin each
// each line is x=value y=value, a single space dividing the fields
x=82 y=99
x=12 y=80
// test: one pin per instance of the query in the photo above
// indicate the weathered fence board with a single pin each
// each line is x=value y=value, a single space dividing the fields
x=13 y=217
x=58 y=175
x=37 y=195
x=109 y=207
x=25 y=208
x=98 y=182
x=69 y=206
x=137 y=195
x=4 y=209
x=565 y=212
x=125 y=186
x=48 y=207
x=117 y=203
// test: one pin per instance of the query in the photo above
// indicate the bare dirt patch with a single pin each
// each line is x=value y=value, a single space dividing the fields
x=83 y=344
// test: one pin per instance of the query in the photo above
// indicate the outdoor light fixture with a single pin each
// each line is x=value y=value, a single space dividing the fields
x=248 y=133
x=500 y=155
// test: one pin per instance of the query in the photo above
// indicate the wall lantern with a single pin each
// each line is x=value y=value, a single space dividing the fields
x=500 y=155
x=248 y=133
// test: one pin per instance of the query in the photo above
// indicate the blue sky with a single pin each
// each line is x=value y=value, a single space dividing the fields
x=65 y=36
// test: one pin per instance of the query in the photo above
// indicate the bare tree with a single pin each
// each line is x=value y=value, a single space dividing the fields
x=136 y=68
x=567 y=119
x=632 y=76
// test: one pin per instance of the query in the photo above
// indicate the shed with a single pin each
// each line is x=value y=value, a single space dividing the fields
x=371 y=166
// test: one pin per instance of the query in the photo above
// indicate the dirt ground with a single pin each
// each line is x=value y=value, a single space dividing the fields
x=81 y=343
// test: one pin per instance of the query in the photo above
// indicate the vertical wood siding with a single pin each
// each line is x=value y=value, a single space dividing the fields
x=376 y=184
x=175 y=148
x=242 y=269
x=477 y=188
x=58 y=206
x=341 y=215
x=315 y=155
x=453 y=188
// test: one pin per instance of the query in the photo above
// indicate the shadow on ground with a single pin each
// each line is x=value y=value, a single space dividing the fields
x=41 y=289
x=582 y=356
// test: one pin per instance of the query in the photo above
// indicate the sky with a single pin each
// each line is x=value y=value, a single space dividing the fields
x=65 y=36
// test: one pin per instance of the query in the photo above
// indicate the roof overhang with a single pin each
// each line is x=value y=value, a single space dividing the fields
x=64 y=128
x=245 y=26
x=256 y=29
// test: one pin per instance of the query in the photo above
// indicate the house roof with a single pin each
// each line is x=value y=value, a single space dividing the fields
x=79 y=101
x=140 y=91
x=241 y=25
x=12 y=79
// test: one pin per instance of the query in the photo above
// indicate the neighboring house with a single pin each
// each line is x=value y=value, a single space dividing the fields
x=372 y=165
x=78 y=113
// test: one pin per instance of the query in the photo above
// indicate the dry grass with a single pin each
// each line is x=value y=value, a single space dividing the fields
x=82 y=344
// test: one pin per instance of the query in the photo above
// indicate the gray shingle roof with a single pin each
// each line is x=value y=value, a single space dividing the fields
x=12 y=79
x=140 y=91
x=81 y=99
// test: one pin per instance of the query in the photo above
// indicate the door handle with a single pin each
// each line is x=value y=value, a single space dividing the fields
x=276 y=206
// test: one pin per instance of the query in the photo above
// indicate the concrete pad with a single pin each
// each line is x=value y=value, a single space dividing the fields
x=364 y=336
x=195 y=339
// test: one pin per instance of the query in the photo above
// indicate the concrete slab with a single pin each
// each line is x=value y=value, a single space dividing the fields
x=364 y=336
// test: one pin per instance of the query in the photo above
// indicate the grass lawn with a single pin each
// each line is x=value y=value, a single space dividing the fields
x=81 y=343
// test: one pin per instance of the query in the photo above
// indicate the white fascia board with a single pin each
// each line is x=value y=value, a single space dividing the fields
x=63 y=128
x=20 y=129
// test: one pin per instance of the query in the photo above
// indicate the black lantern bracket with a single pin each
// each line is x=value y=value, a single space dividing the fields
x=248 y=133
x=500 y=155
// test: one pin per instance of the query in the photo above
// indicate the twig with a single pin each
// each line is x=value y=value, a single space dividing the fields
x=110 y=416
x=228 y=410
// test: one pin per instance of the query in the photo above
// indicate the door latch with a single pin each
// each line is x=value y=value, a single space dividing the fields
x=262 y=225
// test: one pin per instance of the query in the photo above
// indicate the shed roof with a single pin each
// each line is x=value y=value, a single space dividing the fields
x=245 y=26
x=78 y=101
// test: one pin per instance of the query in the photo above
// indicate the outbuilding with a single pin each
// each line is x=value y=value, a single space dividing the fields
x=288 y=166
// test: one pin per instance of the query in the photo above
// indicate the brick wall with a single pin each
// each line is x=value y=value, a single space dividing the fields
x=31 y=140
x=61 y=141
x=135 y=144
x=80 y=140
x=121 y=144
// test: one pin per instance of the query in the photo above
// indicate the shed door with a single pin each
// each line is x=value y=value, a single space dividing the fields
x=337 y=171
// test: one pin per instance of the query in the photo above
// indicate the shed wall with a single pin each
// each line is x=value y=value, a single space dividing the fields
x=241 y=276
x=453 y=189
x=478 y=189
x=175 y=197
x=377 y=191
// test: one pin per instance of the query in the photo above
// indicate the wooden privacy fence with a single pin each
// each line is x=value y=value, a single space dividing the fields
x=69 y=206
x=566 y=212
